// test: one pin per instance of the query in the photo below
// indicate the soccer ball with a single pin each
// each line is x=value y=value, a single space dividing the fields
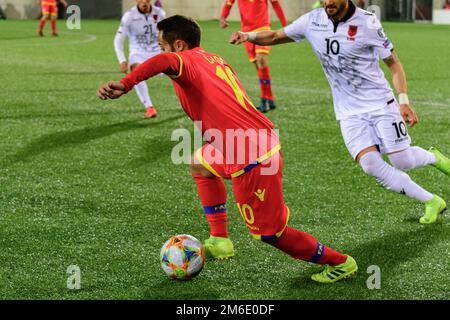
x=182 y=257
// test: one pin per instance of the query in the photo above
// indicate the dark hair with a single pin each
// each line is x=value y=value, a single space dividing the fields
x=181 y=28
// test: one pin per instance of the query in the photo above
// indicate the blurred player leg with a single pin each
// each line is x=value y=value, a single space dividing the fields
x=142 y=93
x=144 y=96
x=53 y=14
x=53 y=24
x=250 y=48
x=45 y=14
x=262 y=66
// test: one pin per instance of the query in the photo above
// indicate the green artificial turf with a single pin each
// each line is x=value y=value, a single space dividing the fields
x=90 y=183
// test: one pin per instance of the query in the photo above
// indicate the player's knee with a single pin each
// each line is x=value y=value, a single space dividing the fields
x=370 y=168
x=403 y=160
x=195 y=168
x=134 y=66
x=372 y=163
x=199 y=170
x=261 y=61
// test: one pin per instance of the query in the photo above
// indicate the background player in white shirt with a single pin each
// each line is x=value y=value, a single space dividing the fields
x=139 y=25
x=349 y=43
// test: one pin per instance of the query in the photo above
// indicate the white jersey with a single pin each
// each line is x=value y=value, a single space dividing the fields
x=349 y=53
x=140 y=28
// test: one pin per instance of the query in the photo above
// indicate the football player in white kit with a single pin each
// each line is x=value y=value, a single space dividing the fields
x=349 y=43
x=139 y=25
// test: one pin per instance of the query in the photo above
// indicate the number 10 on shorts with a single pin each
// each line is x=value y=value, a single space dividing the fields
x=247 y=213
x=401 y=129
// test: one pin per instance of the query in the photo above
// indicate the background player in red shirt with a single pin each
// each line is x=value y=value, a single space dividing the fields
x=49 y=8
x=255 y=17
x=211 y=95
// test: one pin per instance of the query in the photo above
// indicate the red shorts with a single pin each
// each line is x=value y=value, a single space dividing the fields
x=49 y=9
x=252 y=49
x=258 y=192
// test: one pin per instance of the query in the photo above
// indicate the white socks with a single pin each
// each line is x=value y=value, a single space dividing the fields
x=412 y=158
x=142 y=92
x=392 y=178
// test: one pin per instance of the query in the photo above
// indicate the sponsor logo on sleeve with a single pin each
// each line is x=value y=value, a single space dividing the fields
x=381 y=33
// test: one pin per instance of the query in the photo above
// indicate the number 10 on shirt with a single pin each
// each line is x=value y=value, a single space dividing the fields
x=225 y=73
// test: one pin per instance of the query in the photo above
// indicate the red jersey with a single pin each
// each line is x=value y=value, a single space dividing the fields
x=210 y=92
x=255 y=14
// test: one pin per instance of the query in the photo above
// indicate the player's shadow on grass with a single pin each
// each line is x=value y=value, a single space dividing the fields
x=64 y=115
x=60 y=140
x=388 y=252
x=71 y=73
x=54 y=91
x=153 y=151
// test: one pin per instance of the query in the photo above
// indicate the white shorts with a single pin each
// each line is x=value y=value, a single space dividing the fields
x=384 y=128
x=141 y=57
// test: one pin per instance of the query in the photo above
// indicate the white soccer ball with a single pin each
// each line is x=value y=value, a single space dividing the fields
x=182 y=257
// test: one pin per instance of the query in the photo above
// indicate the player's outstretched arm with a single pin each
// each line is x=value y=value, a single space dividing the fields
x=262 y=38
x=167 y=63
x=223 y=23
x=401 y=87
x=119 y=42
x=111 y=90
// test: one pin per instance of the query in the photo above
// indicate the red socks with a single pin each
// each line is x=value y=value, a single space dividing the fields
x=265 y=83
x=303 y=246
x=213 y=196
x=41 y=25
x=53 y=26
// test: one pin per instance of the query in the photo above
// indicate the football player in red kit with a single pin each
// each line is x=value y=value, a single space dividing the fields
x=49 y=8
x=212 y=97
x=255 y=17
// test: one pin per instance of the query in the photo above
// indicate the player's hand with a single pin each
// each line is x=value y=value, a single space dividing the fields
x=409 y=115
x=223 y=23
x=111 y=90
x=238 y=37
x=124 y=67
